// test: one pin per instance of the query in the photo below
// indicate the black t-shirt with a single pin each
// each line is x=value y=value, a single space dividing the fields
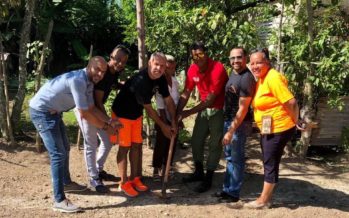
x=138 y=91
x=238 y=85
x=108 y=83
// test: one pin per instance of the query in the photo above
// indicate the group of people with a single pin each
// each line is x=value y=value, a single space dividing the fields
x=223 y=114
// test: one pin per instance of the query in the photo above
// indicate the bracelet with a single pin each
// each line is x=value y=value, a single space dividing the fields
x=105 y=127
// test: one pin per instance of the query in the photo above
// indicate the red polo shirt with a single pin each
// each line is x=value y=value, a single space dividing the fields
x=212 y=81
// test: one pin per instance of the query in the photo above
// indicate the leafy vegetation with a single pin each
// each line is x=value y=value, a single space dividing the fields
x=171 y=26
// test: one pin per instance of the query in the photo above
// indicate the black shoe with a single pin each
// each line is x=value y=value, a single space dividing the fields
x=220 y=194
x=194 y=177
x=198 y=175
x=203 y=187
x=106 y=176
x=228 y=199
x=98 y=186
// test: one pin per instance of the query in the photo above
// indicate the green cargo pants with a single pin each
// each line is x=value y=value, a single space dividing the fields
x=209 y=122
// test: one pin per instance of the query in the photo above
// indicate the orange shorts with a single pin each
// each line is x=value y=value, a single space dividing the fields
x=131 y=132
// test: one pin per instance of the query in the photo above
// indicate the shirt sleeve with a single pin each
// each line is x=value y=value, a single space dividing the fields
x=219 y=79
x=101 y=84
x=189 y=82
x=160 y=104
x=163 y=87
x=248 y=85
x=278 y=87
x=81 y=94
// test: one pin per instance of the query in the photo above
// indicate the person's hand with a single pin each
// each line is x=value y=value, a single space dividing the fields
x=115 y=123
x=227 y=138
x=174 y=128
x=111 y=130
x=301 y=125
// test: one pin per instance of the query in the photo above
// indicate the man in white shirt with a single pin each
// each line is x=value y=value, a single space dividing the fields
x=162 y=144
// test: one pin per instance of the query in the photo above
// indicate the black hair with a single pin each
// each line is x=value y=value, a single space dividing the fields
x=123 y=48
x=243 y=50
x=265 y=52
x=198 y=45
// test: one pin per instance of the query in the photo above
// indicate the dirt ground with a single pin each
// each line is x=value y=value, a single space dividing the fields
x=307 y=188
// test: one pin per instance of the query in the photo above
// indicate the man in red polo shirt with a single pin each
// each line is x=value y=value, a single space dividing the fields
x=210 y=78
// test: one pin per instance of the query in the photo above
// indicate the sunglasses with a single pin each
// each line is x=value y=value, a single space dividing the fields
x=233 y=58
x=198 y=56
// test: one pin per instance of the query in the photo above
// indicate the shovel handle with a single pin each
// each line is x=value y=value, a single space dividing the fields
x=168 y=163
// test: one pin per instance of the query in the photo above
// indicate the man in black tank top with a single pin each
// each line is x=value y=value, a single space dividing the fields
x=96 y=155
x=239 y=92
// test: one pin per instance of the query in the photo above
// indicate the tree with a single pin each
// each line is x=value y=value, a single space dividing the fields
x=22 y=78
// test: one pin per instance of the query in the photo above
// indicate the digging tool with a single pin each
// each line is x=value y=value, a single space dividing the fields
x=168 y=166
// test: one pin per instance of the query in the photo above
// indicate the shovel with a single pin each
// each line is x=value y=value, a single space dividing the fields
x=168 y=166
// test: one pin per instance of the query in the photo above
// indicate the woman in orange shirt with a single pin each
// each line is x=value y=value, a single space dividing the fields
x=276 y=114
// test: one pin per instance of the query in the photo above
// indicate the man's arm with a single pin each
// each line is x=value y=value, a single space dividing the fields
x=166 y=129
x=244 y=103
x=183 y=100
x=201 y=106
x=171 y=108
x=98 y=96
x=97 y=118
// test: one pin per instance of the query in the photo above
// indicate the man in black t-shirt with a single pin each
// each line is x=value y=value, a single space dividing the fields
x=128 y=106
x=239 y=92
x=94 y=161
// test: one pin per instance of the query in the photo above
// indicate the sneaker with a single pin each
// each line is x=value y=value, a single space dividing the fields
x=157 y=174
x=220 y=194
x=106 y=176
x=228 y=199
x=66 y=206
x=128 y=189
x=138 y=185
x=74 y=187
x=98 y=186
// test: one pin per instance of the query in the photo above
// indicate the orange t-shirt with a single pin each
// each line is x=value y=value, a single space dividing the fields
x=271 y=94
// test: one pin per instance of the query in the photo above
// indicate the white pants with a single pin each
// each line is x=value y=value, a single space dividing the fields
x=94 y=161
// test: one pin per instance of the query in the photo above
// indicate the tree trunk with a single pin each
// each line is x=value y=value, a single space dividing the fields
x=39 y=71
x=22 y=77
x=307 y=111
x=3 y=101
x=78 y=139
x=279 y=65
x=141 y=34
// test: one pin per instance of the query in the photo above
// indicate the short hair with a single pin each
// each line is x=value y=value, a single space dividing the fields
x=243 y=50
x=170 y=58
x=198 y=45
x=123 y=48
x=264 y=51
x=157 y=54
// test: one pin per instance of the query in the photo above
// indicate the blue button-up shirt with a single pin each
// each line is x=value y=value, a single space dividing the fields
x=64 y=92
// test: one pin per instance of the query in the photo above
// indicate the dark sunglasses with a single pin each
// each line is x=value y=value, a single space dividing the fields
x=198 y=56
x=233 y=58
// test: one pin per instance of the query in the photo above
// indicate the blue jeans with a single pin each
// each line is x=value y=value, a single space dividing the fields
x=53 y=133
x=235 y=156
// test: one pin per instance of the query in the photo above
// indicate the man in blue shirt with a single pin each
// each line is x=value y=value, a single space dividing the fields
x=69 y=90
